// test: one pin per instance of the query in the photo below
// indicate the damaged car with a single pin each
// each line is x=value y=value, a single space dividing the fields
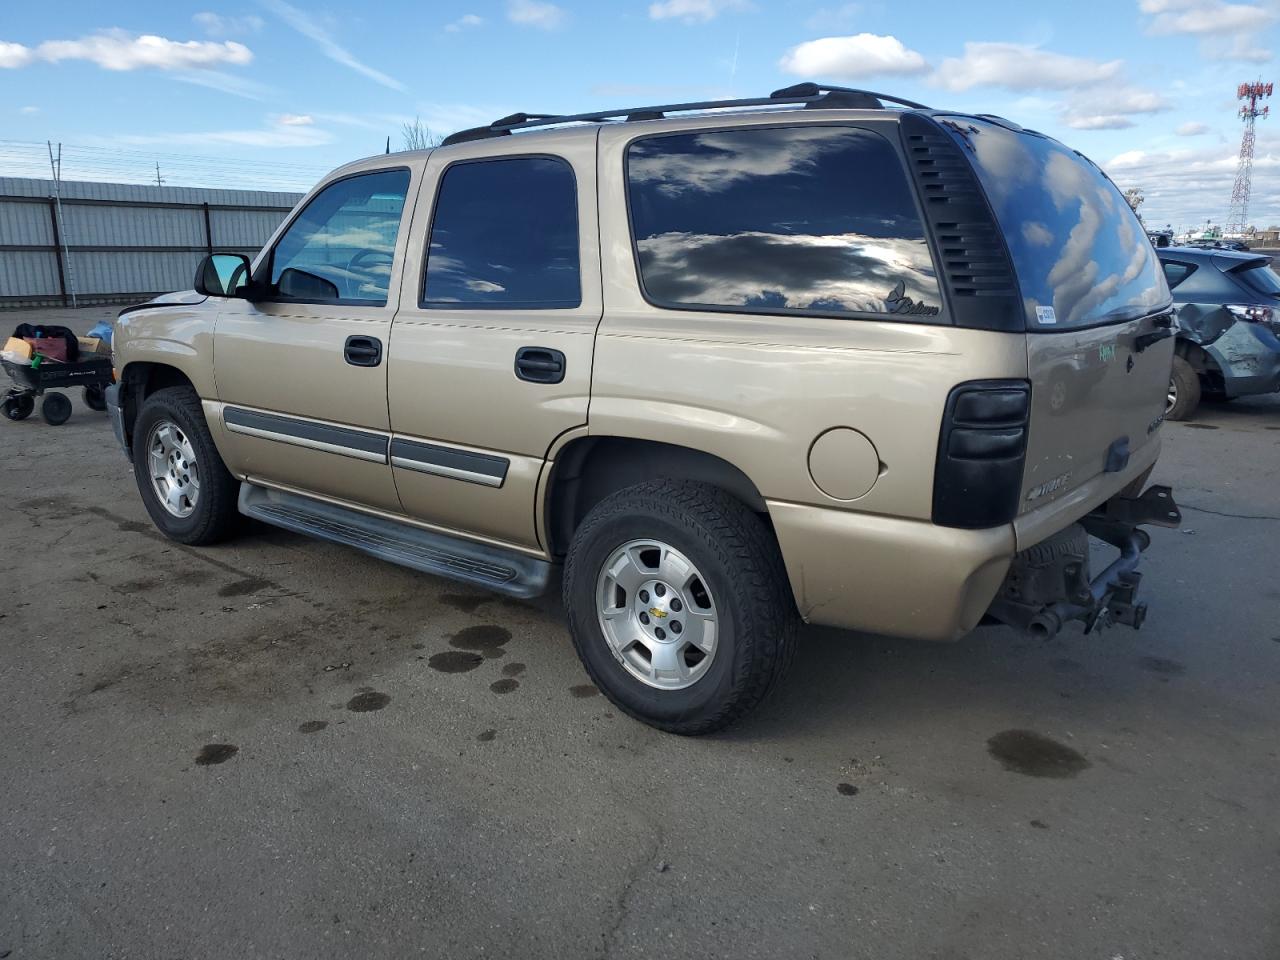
x=1228 y=326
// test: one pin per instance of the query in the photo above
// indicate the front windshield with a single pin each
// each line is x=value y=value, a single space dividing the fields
x=1081 y=255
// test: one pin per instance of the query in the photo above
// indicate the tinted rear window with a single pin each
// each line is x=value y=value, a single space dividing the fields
x=504 y=235
x=811 y=219
x=1081 y=255
x=1260 y=279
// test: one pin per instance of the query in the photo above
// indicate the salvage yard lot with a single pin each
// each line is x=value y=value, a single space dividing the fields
x=283 y=748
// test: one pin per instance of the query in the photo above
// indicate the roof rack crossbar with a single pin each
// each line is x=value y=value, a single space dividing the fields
x=810 y=94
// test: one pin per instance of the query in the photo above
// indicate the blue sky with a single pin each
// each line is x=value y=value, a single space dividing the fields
x=1145 y=87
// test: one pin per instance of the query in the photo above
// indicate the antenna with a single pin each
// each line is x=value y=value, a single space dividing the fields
x=159 y=179
x=1252 y=94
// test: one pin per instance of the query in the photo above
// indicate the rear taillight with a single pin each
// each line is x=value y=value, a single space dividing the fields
x=981 y=452
x=1252 y=312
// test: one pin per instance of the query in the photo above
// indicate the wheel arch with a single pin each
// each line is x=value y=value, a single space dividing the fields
x=589 y=468
x=140 y=379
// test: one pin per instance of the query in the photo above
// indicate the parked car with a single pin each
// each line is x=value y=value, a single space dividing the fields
x=730 y=365
x=1228 y=326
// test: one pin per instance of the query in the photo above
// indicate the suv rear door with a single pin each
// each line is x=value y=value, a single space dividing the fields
x=1092 y=288
x=491 y=351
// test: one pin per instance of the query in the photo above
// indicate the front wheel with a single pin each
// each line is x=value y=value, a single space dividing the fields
x=1184 y=391
x=679 y=605
x=18 y=406
x=185 y=486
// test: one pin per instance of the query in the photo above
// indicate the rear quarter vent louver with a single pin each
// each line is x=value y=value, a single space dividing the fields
x=982 y=450
x=973 y=261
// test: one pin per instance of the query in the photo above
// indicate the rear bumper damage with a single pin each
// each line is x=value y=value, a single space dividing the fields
x=1048 y=585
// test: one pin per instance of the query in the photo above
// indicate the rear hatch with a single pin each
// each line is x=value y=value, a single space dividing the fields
x=1092 y=289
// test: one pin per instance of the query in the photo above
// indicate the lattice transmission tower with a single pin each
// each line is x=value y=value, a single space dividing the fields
x=1252 y=94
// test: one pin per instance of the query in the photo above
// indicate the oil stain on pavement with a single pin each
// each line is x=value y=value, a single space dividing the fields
x=313 y=726
x=212 y=753
x=584 y=690
x=504 y=686
x=455 y=661
x=367 y=702
x=513 y=669
x=1030 y=753
x=486 y=639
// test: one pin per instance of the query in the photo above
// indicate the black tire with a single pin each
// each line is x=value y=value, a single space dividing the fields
x=1184 y=391
x=19 y=407
x=736 y=554
x=214 y=516
x=95 y=398
x=56 y=409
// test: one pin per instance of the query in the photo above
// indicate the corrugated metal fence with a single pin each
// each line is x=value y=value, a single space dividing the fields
x=123 y=243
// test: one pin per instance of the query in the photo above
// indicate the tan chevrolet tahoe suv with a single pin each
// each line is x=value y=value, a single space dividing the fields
x=825 y=355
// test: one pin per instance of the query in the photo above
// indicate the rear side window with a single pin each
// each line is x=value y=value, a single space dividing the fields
x=1175 y=273
x=504 y=235
x=1081 y=255
x=811 y=219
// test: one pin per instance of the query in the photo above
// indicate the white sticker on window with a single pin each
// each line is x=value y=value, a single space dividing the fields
x=1046 y=315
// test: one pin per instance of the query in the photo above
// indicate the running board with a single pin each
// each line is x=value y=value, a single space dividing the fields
x=505 y=571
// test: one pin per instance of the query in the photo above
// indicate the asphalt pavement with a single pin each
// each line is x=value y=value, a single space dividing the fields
x=283 y=748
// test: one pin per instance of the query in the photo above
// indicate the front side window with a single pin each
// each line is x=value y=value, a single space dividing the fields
x=341 y=247
x=504 y=235
x=812 y=219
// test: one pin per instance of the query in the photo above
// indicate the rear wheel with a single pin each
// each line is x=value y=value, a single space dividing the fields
x=1184 y=391
x=185 y=486
x=56 y=409
x=95 y=398
x=678 y=605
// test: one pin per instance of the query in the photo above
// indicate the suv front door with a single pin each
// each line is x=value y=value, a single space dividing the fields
x=302 y=375
x=492 y=346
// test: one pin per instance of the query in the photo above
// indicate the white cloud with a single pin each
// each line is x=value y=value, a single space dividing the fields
x=694 y=11
x=862 y=55
x=1020 y=67
x=226 y=83
x=276 y=135
x=1109 y=108
x=118 y=50
x=467 y=21
x=316 y=32
x=535 y=13
x=14 y=55
x=295 y=120
x=1099 y=121
x=216 y=25
x=29 y=111
x=1191 y=129
x=1203 y=16
x=1185 y=187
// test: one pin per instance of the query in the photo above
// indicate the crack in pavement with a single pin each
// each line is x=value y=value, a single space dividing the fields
x=1221 y=513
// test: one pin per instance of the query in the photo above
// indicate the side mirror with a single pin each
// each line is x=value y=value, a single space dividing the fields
x=222 y=275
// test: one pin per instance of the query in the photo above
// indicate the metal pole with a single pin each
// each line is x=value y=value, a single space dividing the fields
x=208 y=229
x=56 y=167
x=57 y=249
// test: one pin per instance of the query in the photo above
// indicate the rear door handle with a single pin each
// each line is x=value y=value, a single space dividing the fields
x=539 y=365
x=363 y=351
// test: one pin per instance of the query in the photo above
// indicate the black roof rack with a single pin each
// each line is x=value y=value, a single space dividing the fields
x=814 y=96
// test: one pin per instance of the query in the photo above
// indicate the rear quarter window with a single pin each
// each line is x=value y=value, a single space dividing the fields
x=806 y=219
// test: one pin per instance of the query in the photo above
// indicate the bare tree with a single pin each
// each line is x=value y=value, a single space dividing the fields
x=418 y=136
x=1134 y=197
